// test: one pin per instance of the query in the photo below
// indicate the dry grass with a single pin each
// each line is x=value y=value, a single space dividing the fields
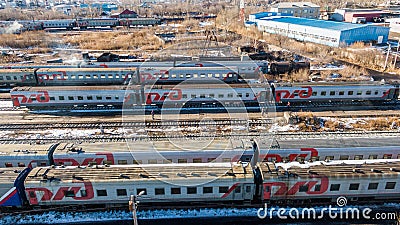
x=115 y=41
x=25 y=40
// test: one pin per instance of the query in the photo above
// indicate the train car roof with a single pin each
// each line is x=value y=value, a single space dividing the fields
x=8 y=175
x=143 y=146
x=104 y=173
x=344 y=83
x=23 y=70
x=339 y=169
x=76 y=88
x=24 y=149
x=96 y=69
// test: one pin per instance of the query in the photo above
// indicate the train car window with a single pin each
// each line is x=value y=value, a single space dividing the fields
x=52 y=98
x=327 y=158
x=21 y=164
x=398 y=156
x=368 y=92
x=314 y=93
x=181 y=75
x=224 y=75
x=188 y=75
x=108 y=97
x=210 y=159
x=73 y=76
x=230 y=75
x=110 y=76
x=166 y=75
x=102 y=76
x=373 y=157
x=248 y=189
x=211 y=95
x=359 y=92
x=195 y=75
x=175 y=191
x=166 y=161
x=344 y=157
x=207 y=190
x=223 y=189
x=230 y=95
x=116 y=97
x=80 y=77
x=95 y=76
x=191 y=190
x=117 y=76
x=121 y=192
x=15 y=78
x=1 y=78
x=197 y=160
x=99 y=97
x=341 y=92
x=226 y=159
x=173 y=75
x=303 y=188
x=202 y=75
x=315 y=158
x=193 y=96
x=182 y=160
x=22 y=77
x=350 y=92
x=69 y=193
x=159 y=191
x=202 y=95
x=323 y=93
x=354 y=186
x=239 y=95
x=8 y=78
x=238 y=189
x=71 y=98
x=358 y=157
x=373 y=186
x=390 y=185
x=8 y=164
x=335 y=187
x=184 y=95
x=83 y=193
x=108 y=162
x=101 y=193
x=387 y=156
x=137 y=161
x=122 y=162
x=209 y=75
x=152 y=161
x=42 y=98
x=217 y=75
x=88 y=76
x=220 y=95
x=317 y=187
x=80 y=97
x=332 y=93
x=376 y=92
x=89 y=97
x=61 y=98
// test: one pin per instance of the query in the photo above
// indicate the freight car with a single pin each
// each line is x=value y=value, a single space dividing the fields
x=277 y=68
x=207 y=185
x=161 y=152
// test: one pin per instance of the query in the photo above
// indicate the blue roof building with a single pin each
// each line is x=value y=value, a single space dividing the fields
x=324 y=32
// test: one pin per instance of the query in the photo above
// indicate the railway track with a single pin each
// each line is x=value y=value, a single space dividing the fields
x=136 y=124
x=154 y=137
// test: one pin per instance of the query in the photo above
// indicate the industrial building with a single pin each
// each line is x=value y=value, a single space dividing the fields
x=324 y=32
x=359 y=15
x=298 y=9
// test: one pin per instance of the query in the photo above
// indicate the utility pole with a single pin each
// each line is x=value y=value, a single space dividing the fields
x=387 y=57
x=133 y=203
x=397 y=52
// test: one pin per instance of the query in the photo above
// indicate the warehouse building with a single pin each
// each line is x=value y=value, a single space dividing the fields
x=298 y=9
x=324 y=32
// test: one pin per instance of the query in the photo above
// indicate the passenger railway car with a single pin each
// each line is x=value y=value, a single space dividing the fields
x=191 y=98
x=207 y=185
x=163 y=152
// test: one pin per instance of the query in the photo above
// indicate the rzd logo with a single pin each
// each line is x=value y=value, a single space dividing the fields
x=287 y=94
x=286 y=189
x=41 y=96
x=174 y=95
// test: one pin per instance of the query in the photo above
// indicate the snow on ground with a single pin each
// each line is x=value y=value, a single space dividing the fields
x=283 y=128
x=79 y=217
